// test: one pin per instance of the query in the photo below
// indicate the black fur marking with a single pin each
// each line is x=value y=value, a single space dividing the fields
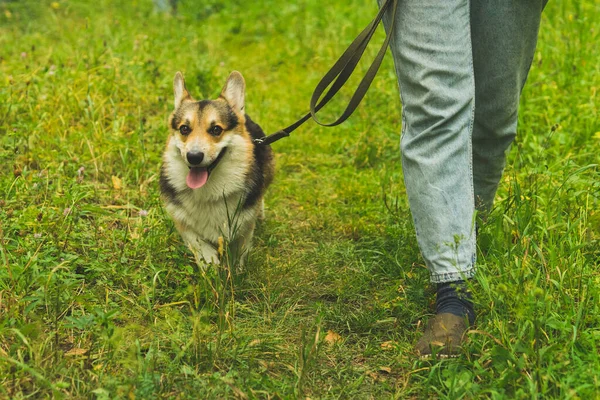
x=226 y=114
x=202 y=104
x=261 y=175
x=229 y=117
x=175 y=122
x=167 y=189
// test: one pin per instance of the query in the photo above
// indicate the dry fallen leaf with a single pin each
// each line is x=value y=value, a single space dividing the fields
x=117 y=183
x=332 y=338
x=389 y=345
x=76 y=352
x=387 y=370
x=376 y=376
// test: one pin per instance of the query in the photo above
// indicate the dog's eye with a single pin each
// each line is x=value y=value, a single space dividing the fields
x=185 y=130
x=215 y=130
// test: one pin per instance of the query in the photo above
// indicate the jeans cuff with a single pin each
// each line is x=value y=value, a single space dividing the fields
x=453 y=276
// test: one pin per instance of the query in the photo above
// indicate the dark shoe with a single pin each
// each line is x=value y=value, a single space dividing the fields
x=443 y=337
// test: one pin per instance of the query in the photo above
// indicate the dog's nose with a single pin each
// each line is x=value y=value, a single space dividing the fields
x=195 y=158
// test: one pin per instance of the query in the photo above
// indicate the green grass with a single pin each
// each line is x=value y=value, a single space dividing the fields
x=99 y=298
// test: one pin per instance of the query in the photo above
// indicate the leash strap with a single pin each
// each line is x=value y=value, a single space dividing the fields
x=340 y=73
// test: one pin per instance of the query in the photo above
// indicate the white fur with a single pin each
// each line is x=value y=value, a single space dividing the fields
x=204 y=214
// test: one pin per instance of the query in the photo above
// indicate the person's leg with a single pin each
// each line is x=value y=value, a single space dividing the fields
x=432 y=53
x=431 y=47
x=504 y=38
x=433 y=57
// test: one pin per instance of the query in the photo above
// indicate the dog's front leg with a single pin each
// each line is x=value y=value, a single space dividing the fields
x=208 y=253
x=204 y=251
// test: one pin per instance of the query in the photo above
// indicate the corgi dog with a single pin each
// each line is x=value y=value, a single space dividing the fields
x=213 y=176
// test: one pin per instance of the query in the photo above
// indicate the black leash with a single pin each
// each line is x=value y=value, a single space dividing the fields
x=339 y=74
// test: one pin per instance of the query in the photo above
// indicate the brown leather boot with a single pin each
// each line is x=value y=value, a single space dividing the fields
x=443 y=337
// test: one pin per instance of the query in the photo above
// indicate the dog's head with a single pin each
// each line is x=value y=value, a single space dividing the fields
x=205 y=131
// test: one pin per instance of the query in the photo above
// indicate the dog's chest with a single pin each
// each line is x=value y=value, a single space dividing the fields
x=210 y=219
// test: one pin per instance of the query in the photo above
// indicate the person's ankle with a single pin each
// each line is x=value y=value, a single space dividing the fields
x=455 y=298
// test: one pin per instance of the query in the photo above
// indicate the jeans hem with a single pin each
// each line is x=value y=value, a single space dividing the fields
x=453 y=276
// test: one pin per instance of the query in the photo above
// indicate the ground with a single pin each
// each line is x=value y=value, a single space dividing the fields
x=99 y=298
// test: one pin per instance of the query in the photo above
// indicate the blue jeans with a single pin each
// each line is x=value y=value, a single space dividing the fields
x=461 y=66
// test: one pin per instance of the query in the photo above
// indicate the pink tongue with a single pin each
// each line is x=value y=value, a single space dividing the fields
x=197 y=177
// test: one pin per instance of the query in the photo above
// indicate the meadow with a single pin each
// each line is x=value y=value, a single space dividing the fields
x=99 y=297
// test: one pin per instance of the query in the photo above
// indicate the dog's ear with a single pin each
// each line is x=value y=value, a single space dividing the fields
x=179 y=89
x=234 y=91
